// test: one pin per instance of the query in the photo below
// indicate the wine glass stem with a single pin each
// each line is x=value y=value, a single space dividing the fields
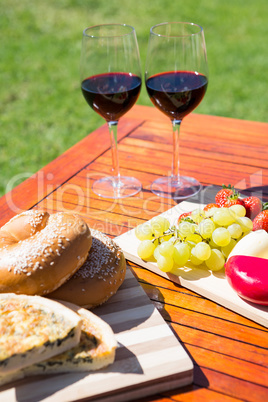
x=115 y=163
x=175 y=174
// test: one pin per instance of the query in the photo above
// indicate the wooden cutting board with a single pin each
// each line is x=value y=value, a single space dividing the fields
x=149 y=358
x=214 y=286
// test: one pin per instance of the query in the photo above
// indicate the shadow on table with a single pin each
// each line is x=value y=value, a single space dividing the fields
x=199 y=380
x=193 y=273
x=207 y=194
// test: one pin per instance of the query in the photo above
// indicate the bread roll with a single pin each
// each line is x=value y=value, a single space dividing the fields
x=39 y=252
x=99 y=277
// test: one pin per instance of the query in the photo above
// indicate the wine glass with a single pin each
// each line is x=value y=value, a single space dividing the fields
x=176 y=76
x=111 y=82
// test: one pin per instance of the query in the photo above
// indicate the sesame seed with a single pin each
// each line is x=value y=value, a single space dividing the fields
x=24 y=257
x=104 y=252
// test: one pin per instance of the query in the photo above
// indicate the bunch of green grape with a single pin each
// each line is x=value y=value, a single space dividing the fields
x=203 y=237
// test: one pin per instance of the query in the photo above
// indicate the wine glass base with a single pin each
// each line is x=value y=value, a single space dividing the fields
x=169 y=187
x=110 y=187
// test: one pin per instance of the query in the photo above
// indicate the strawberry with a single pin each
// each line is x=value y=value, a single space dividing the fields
x=227 y=197
x=261 y=221
x=253 y=206
x=222 y=195
x=184 y=215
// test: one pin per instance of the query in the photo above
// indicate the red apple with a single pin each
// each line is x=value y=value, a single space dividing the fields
x=248 y=276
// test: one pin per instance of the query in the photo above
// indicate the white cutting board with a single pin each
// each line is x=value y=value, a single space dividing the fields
x=214 y=286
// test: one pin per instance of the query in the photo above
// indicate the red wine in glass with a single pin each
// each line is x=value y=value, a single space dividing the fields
x=176 y=77
x=177 y=93
x=111 y=95
x=110 y=77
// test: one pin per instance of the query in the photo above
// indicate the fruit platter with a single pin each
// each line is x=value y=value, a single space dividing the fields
x=219 y=250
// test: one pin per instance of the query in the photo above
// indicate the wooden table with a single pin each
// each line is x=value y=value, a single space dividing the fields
x=229 y=352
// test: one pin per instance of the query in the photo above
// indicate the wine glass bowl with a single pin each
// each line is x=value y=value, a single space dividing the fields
x=176 y=79
x=110 y=76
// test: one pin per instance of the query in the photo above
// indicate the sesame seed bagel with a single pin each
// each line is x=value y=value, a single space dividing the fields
x=99 y=277
x=39 y=251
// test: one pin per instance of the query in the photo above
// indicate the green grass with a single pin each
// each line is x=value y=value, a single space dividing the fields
x=42 y=111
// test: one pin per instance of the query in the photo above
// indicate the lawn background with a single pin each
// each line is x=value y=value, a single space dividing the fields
x=42 y=111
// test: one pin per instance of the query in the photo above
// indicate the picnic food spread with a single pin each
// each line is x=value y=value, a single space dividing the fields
x=39 y=251
x=99 y=277
x=208 y=237
x=60 y=257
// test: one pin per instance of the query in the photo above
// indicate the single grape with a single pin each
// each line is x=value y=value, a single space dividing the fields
x=227 y=249
x=159 y=225
x=216 y=260
x=191 y=244
x=197 y=215
x=210 y=212
x=165 y=263
x=235 y=230
x=206 y=227
x=238 y=209
x=194 y=259
x=202 y=251
x=156 y=252
x=146 y=249
x=144 y=231
x=196 y=238
x=166 y=249
x=245 y=223
x=186 y=228
x=221 y=236
x=224 y=216
x=181 y=254
x=213 y=244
